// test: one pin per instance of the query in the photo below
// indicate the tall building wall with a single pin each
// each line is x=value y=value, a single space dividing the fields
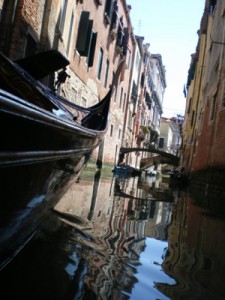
x=204 y=130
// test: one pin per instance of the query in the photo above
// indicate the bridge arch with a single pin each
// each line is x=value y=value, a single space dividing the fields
x=164 y=156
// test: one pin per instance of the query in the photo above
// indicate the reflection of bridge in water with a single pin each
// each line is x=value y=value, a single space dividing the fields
x=161 y=196
x=162 y=157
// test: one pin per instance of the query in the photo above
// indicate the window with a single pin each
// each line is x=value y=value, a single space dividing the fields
x=115 y=93
x=124 y=101
x=73 y=97
x=116 y=154
x=212 y=6
x=63 y=15
x=134 y=92
x=86 y=38
x=119 y=134
x=91 y=51
x=161 y=142
x=114 y=16
x=125 y=41
x=106 y=73
x=70 y=34
x=213 y=106
x=201 y=115
x=130 y=120
x=100 y=59
x=108 y=10
x=148 y=100
x=121 y=97
x=84 y=32
x=120 y=34
x=128 y=59
x=83 y=102
x=192 y=118
x=189 y=106
x=142 y=79
x=111 y=130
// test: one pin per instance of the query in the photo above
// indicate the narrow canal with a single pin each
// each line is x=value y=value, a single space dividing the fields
x=111 y=238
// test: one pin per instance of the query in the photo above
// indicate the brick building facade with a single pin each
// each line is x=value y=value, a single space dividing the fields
x=95 y=36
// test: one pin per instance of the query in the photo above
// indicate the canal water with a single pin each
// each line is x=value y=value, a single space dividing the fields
x=114 y=239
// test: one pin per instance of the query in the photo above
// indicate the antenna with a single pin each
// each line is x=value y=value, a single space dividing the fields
x=139 y=27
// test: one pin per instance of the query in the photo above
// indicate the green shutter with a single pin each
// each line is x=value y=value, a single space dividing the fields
x=87 y=38
x=83 y=30
x=92 y=49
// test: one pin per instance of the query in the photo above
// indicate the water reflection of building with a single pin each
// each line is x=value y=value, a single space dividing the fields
x=195 y=256
x=111 y=231
x=157 y=214
x=106 y=237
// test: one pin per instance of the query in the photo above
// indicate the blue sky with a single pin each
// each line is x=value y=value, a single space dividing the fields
x=170 y=27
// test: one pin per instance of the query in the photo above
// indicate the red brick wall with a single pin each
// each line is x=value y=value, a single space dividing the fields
x=88 y=76
x=32 y=14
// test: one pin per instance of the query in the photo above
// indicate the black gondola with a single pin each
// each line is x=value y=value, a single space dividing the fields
x=45 y=142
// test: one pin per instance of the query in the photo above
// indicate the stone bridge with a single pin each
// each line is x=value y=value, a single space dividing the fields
x=163 y=157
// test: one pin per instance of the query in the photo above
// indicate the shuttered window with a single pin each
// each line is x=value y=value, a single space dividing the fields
x=63 y=16
x=109 y=9
x=111 y=130
x=121 y=97
x=125 y=40
x=124 y=101
x=115 y=90
x=106 y=73
x=120 y=34
x=91 y=52
x=86 y=38
x=161 y=142
x=114 y=17
x=100 y=59
x=84 y=34
x=70 y=33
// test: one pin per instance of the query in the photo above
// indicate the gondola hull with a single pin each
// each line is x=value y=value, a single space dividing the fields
x=40 y=156
x=28 y=130
x=43 y=150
